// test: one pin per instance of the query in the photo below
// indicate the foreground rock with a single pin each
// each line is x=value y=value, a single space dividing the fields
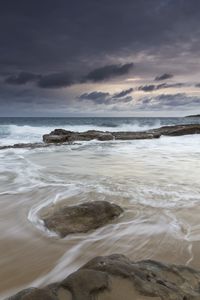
x=64 y=219
x=115 y=277
x=63 y=136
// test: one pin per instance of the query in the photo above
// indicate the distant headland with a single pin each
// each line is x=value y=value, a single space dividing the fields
x=193 y=116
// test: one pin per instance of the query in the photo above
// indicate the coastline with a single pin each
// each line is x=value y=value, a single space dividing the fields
x=154 y=180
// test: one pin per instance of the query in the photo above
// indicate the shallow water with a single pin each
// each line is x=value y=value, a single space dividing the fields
x=156 y=181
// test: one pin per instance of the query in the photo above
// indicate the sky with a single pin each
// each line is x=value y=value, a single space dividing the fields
x=99 y=58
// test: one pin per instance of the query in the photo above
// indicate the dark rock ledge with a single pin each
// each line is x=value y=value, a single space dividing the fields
x=61 y=136
x=64 y=219
x=115 y=277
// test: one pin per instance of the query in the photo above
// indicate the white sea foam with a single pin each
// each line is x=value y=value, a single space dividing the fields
x=12 y=134
x=156 y=181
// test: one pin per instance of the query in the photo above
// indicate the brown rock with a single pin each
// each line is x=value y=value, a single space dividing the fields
x=115 y=277
x=61 y=135
x=66 y=219
x=178 y=130
x=51 y=138
x=123 y=135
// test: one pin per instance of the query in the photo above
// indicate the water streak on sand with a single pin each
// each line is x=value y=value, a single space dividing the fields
x=156 y=181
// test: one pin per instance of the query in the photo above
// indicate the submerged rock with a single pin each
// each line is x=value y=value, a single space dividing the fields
x=66 y=219
x=115 y=277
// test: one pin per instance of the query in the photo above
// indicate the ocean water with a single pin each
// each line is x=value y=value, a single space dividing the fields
x=155 y=181
x=17 y=130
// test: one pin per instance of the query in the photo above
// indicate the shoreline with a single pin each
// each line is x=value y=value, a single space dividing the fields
x=61 y=136
x=161 y=222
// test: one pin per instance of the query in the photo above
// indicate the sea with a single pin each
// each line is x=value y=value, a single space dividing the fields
x=155 y=181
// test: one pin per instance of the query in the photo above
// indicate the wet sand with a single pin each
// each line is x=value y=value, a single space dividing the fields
x=156 y=183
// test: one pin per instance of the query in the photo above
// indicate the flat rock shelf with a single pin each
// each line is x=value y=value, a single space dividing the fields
x=62 y=136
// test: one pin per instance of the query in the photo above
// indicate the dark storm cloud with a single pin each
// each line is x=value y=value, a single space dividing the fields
x=55 y=80
x=64 y=79
x=147 y=88
x=106 y=98
x=123 y=93
x=164 y=77
x=108 y=72
x=21 y=78
x=54 y=37
x=96 y=97
x=153 y=87
x=51 y=35
x=168 y=101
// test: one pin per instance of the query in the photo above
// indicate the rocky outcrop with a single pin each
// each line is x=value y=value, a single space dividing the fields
x=115 y=277
x=178 y=130
x=63 y=136
x=24 y=145
x=193 y=116
x=142 y=135
x=64 y=219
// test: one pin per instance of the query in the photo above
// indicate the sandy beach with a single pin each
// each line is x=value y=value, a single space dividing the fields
x=155 y=181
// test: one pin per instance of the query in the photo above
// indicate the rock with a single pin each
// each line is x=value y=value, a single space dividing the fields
x=62 y=136
x=135 y=135
x=192 y=116
x=24 y=145
x=94 y=134
x=93 y=282
x=116 y=277
x=59 y=136
x=178 y=130
x=61 y=132
x=66 y=219
x=51 y=138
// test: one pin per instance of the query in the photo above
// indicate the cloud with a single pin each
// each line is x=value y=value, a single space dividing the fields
x=123 y=93
x=96 y=97
x=153 y=87
x=164 y=77
x=124 y=99
x=168 y=101
x=105 y=98
x=55 y=80
x=70 y=36
x=21 y=78
x=65 y=79
x=147 y=88
x=109 y=71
